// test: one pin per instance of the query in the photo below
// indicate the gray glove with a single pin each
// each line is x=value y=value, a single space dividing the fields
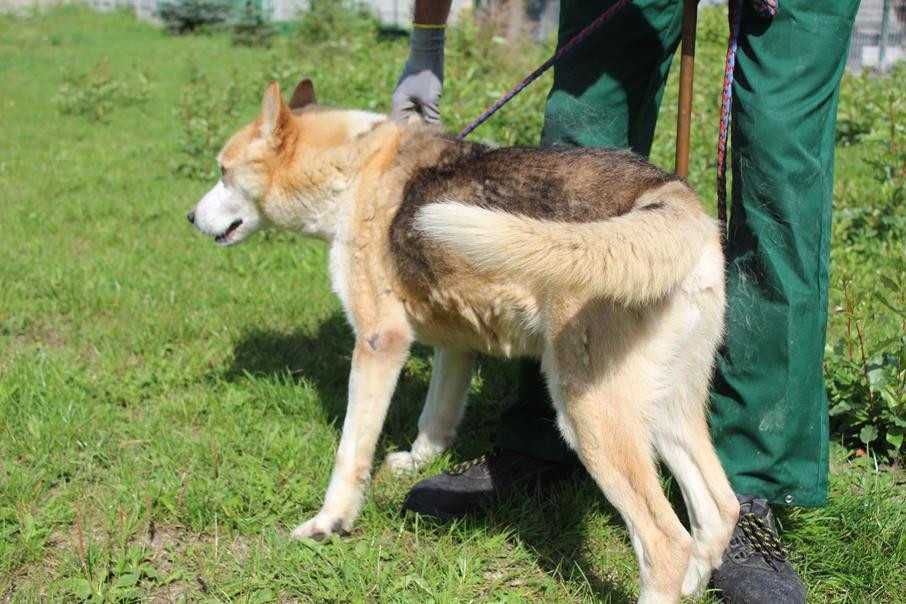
x=419 y=87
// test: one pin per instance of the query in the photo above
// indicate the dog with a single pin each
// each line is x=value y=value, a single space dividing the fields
x=599 y=264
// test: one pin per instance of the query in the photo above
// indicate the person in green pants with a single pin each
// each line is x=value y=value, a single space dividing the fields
x=769 y=409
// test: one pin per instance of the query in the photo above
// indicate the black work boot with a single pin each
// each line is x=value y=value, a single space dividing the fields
x=755 y=569
x=474 y=485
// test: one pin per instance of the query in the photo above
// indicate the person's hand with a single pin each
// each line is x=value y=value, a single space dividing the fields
x=419 y=87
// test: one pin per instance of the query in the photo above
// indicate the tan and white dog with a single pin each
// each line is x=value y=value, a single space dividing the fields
x=601 y=265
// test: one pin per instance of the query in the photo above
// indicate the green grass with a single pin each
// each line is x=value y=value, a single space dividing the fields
x=169 y=409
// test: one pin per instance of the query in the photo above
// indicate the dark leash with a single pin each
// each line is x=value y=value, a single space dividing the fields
x=764 y=8
x=567 y=49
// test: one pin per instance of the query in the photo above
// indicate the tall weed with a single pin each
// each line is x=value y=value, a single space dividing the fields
x=97 y=93
x=208 y=115
x=867 y=377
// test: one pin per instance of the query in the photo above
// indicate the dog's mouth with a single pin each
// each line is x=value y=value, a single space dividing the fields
x=224 y=237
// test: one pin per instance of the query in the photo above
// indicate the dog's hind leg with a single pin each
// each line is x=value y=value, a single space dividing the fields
x=681 y=435
x=377 y=359
x=443 y=410
x=684 y=444
x=598 y=397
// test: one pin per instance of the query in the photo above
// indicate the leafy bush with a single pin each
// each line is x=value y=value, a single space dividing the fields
x=871 y=107
x=327 y=20
x=187 y=16
x=96 y=93
x=867 y=385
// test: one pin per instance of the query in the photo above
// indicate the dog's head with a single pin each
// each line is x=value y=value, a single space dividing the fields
x=270 y=162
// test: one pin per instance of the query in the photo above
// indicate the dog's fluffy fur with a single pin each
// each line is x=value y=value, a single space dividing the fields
x=601 y=265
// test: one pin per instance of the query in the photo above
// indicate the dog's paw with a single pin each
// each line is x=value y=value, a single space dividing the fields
x=697 y=574
x=320 y=527
x=402 y=463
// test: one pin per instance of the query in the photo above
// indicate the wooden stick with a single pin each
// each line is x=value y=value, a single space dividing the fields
x=687 y=69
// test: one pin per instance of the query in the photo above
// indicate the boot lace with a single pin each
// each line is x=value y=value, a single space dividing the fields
x=465 y=466
x=761 y=538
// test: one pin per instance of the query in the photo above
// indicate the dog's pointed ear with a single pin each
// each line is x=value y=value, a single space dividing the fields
x=303 y=95
x=274 y=112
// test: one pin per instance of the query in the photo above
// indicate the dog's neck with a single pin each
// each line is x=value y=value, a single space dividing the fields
x=315 y=207
x=313 y=212
x=334 y=179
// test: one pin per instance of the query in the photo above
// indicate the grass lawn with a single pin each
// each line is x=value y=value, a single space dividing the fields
x=169 y=409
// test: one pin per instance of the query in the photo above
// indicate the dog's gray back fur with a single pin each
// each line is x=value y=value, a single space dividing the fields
x=559 y=184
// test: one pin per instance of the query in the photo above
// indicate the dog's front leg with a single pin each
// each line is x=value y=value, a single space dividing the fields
x=376 y=362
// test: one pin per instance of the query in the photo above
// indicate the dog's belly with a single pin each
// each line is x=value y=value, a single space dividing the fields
x=491 y=319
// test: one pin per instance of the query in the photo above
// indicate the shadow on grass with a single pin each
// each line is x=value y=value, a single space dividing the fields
x=322 y=360
x=550 y=523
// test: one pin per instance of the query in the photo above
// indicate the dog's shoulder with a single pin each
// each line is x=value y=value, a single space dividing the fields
x=433 y=163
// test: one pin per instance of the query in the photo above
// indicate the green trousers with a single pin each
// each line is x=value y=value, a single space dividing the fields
x=769 y=408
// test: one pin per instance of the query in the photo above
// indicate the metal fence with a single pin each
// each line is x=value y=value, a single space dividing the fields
x=878 y=38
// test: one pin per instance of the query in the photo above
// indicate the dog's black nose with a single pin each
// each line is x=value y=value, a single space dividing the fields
x=191 y=217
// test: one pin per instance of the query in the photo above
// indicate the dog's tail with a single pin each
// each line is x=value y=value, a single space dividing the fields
x=633 y=258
